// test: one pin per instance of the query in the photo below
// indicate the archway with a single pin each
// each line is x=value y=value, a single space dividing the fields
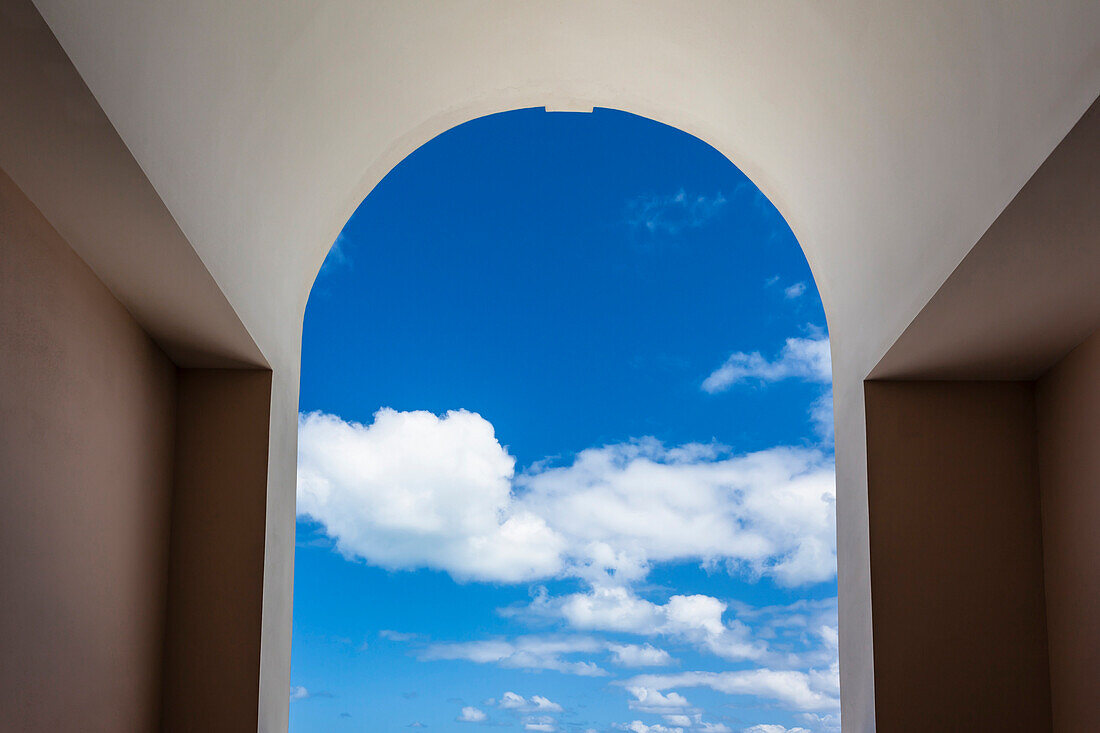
x=649 y=230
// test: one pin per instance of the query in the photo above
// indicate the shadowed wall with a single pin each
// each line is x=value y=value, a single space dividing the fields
x=1069 y=475
x=212 y=647
x=87 y=406
x=956 y=557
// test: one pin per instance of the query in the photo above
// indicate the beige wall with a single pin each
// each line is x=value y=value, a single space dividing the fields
x=1069 y=470
x=86 y=407
x=956 y=557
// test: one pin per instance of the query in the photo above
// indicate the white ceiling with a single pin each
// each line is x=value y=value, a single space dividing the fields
x=890 y=134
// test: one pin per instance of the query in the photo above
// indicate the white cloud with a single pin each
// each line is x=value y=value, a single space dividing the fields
x=624 y=506
x=713 y=728
x=649 y=700
x=675 y=213
x=812 y=691
x=471 y=715
x=543 y=704
x=821 y=415
x=298 y=692
x=801 y=358
x=525 y=652
x=635 y=655
x=543 y=724
x=537 y=703
x=638 y=726
x=416 y=490
x=822 y=723
x=793 y=291
x=799 y=635
x=774 y=729
x=696 y=619
x=677 y=719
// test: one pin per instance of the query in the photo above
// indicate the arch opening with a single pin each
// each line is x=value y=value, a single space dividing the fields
x=565 y=428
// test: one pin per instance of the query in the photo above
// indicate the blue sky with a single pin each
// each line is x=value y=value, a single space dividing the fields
x=565 y=452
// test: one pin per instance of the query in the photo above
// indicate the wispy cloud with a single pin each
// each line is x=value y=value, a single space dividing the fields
x=337 y=256
x=639 y=655
x=536 y=704
x=793 y=291
x=811 y=691
x=672 y=214
x=525 y=652
x=808 y=359
x=297 y=692
x=638 y=726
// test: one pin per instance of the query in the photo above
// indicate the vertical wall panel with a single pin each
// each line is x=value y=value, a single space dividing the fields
x=215 y=596
x=1069 y=478
x=956 y=557
x=87 y=406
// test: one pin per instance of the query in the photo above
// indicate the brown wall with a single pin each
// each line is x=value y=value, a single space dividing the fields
x=956 y=557
x=1069 y=476
x=212 y=648
x=87 y=406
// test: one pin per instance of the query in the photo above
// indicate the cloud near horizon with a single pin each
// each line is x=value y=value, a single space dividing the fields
x=805 y=691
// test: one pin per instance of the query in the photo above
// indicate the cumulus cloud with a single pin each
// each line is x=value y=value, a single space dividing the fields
x=696 y=619
x=623 y=506
x=635 y=655
x=297 y=692
x=673 y=214
x=525 y=652
x=416 y=490
x=471 y=715
x=649 y=700
x=812 y=691
x=766 y=728
x=801 y=358
x=542 y=723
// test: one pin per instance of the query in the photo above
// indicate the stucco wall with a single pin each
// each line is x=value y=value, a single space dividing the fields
x=87 y=407
x=1069 y=471
x=956 y=557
